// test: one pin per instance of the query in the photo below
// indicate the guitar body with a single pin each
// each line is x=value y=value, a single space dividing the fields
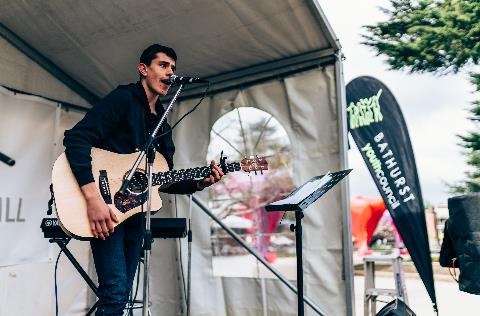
x=109 y=169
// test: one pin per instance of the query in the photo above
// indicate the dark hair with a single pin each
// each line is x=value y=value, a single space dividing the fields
x=151 y=52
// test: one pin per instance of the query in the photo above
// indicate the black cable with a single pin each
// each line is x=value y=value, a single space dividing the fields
x=55 y=279
x=189 y=112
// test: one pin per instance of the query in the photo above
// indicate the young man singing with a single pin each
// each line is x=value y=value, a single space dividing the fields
x=121 y=123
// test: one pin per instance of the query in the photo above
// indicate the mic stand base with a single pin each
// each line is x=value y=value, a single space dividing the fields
x=189 y=264
x=147 y=241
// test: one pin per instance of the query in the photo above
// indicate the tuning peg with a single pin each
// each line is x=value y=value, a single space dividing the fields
x=258 y=162
x=222 y=158
x=223 y=164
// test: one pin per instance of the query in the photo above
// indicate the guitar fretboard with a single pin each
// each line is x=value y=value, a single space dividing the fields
x=173 y=176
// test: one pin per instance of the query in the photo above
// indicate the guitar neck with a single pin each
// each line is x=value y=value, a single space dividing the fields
x=174 y=176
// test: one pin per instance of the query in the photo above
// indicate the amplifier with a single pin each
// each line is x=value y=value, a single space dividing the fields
x=169 y=227
x=51 y=228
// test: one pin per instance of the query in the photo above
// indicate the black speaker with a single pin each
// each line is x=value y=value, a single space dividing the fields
x=397 y=307
x=464 y=231
x=169 y=227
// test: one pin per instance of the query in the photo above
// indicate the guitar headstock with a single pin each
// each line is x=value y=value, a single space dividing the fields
x=254 y=163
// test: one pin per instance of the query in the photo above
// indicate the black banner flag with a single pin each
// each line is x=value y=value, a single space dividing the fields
x=377 y=126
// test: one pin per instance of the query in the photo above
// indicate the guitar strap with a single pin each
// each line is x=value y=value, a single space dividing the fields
x=51 y=201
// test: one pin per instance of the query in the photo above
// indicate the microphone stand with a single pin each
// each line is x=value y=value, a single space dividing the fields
x=149 y=151
x=189 y=266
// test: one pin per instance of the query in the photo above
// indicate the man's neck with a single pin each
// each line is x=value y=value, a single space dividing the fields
x=152 y=97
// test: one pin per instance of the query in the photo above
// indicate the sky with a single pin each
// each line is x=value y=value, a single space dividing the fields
x=434 y=107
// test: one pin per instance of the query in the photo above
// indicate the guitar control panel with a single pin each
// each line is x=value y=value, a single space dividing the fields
x=104 y=187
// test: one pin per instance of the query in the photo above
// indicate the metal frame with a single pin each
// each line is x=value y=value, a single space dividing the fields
x=322 y=21
x=344 y=188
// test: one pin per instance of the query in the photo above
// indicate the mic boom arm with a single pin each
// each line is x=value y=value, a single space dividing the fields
x=184 y=79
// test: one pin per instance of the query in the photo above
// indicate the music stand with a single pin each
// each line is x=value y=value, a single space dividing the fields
x=297 y=201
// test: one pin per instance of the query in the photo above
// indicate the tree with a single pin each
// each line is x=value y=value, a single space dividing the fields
x=472 y=143
x=437 y=36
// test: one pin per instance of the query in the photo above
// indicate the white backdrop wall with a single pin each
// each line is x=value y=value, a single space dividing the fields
x=30 y=128
x=26 y=126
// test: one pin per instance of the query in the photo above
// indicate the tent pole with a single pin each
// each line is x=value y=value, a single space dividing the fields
x=344 y=187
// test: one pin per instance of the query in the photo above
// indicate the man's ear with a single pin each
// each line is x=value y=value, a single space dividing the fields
x=142 y=69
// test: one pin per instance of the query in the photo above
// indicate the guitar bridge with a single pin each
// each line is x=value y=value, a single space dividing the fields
x=104 y=187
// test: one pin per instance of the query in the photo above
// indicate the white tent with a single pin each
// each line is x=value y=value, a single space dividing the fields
x=279 y=56
x=234 y=221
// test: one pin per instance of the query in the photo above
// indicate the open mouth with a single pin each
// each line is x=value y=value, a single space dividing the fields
x=165 y=81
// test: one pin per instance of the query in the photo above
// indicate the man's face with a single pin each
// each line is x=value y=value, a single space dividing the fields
x=157 y=74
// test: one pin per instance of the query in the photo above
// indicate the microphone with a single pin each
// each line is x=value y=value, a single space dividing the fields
x=9 y=161
x=179 y=79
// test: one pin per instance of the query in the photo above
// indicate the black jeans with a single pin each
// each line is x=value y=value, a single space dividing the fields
x=116 y=259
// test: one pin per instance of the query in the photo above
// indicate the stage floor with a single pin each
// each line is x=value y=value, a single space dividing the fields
x=451 y=300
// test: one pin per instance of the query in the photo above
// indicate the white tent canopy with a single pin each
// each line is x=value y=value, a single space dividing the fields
x=280 y=56
x=92 y=45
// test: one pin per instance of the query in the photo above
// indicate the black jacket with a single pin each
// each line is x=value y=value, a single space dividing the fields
x=120 y=123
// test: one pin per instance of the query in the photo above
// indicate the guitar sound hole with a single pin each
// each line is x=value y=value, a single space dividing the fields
x=139 y=183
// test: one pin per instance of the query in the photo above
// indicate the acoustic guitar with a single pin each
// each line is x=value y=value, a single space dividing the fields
x=109 y=170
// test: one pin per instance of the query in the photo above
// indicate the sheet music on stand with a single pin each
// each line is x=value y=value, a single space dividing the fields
x=308 y=193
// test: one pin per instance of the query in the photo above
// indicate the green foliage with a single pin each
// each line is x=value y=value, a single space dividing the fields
x=471 y=143
x=438 y=36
